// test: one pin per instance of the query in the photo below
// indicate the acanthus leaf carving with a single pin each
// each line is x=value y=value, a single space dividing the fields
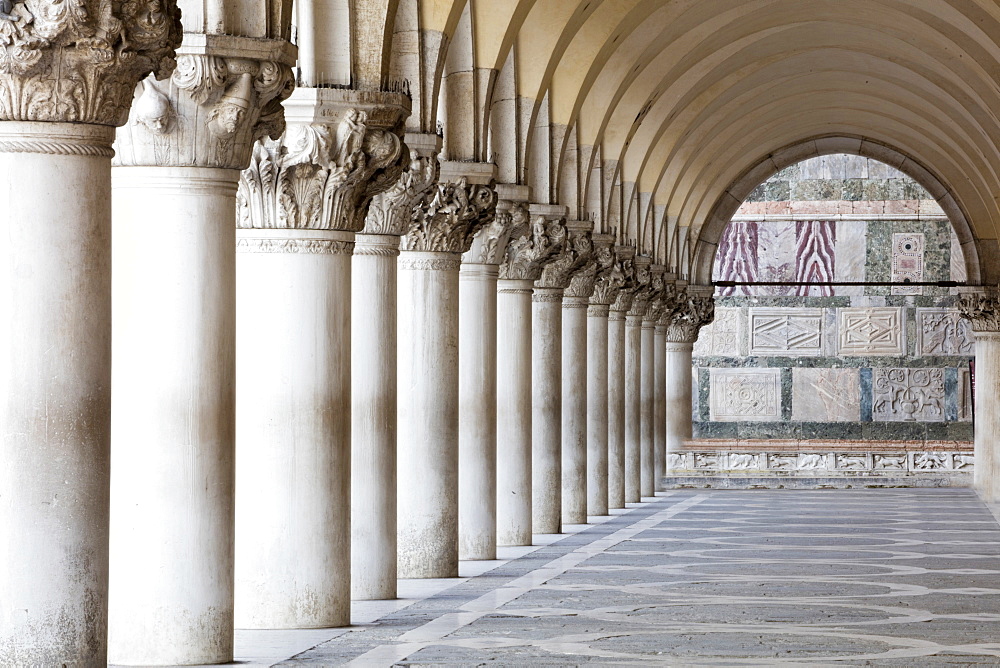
x=78 y=62
x=982 y=309
x=531 y=246
x=391 y=211
x=685 y=315
x=490 y=245
x=449 y=215
x=576 y=257
x=643 y=288
x=625 y=294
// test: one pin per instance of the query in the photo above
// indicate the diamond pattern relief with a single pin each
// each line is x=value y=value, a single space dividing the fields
x=871 y=331
x=796 y=331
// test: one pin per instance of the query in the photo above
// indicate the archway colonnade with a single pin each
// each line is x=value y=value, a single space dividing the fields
x=240 y=331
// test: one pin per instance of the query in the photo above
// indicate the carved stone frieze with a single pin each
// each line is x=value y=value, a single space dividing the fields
x=576 y=257
x=391 y=211
x=826 y=464
x=982 y=309
x=449 y=215
x=686 y=315
x=490 y=245
x=320 y=176
x=211 y=110
x=79 y=61
x=531 y=246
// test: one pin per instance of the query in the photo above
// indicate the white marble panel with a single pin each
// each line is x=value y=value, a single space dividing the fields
x=851 y=253
x=941 y=331
x=871 y=331
x=959 y=272
x=776 y=255
x=907 y=262
x=786 y=331
x=904 y=395
x=826 y=395
x=739 y=395
x=724 y=336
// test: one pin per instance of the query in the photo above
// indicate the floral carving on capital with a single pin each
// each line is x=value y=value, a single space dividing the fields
x=531 y=246
x=390 y=212
x=981 y=309
x=643 y=291
x=319 y=176
x=685 y=315
x=208 y=114
x=490 y=245
x=448 y=216
x=575 y=258
x=79 y=61
x=629 y=286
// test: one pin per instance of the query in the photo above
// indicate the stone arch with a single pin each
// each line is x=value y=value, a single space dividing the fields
x=725 y=207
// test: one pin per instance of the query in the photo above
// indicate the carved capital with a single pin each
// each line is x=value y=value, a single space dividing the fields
x=392 y=211
x=78 y=62
x=322 y=176
x=489 y=246
x=625 y=294
x=576 y=257
x=217 y=103
x=981 y=309
x=449 y=215
x=609 y=277
x=531 y=246
x=686 y=315
x=643 y=287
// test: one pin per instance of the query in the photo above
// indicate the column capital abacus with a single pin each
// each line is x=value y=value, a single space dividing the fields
x=533 y=243
x=449 y=215
x=576 y=257
x=340 y=149
x=224 y=95
x=982 y=309
x=689 y=311
x=489 y=246
x=390 y=212
x=81 y=64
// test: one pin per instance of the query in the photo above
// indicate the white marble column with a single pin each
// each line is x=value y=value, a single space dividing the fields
x=529 y=247
x=576 y=300
x=477 y=394
x=608 y=280
x=55 y=324
x=373 y=376
x=659 y=403
x=293 y=352
x=983 y=311
x=173 y=420
x=633 y=383
x=617 y=379
x=689 y=312
x=427 y=501
x=647 y=419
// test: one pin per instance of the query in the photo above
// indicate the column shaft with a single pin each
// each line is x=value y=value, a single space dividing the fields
x=173 y=422
x=293 y=429
x=546 y=402
x=427 y=505
x=633 y=409
x=678 y=395
x=514 y=412
x=597 y=410
x=987 y=436
x=659 y=407
x=574 y=410
x=477 y=396
x=373 y=415
x=55 y=331
x=647 y=484
x=616 y=410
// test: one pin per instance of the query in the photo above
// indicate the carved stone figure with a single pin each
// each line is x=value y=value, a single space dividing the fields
x=154 y=111
x=686 y=315
x=391 y=211
x=930 y=461
x=812 y=461
x=531 y=246
x=742 y=461
x=982 y=309
x=449 y=216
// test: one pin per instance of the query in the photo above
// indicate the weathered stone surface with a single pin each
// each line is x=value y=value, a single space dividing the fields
x=826 y=395
x=745 y=395
x=908 y=394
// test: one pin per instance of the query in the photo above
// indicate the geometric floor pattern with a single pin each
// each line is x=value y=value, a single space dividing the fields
x=892 y=577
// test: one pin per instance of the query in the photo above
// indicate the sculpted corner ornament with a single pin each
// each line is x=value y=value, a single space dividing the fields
x=449 y=215
x=531 y=246
x=575 y=257
x=79 y=61
x=982 y=309
x=209 y=113
x=391 y=211
x=686 y=315
x=318 y=176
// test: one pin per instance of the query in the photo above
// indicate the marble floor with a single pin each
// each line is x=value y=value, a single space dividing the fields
x=897 y=577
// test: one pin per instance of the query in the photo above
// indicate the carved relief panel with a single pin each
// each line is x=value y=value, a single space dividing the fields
x=871 y=331
x=724 y=336
x=745 y=395
x=786 y=331
x=908 y=395
x=907 y=262
x=941 y=331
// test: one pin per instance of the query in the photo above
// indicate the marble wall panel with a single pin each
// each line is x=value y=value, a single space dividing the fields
x=959 y=272
x=907 y=262
x=745 y=395
x=871 y=331
x=908 y=395
x=776 y=256
x=786 y=331
x=736 y=259
x=940 y=331
x=851 y=249
x=964 y=395
x=814 y=254
x=724 y=337
x=826 y=395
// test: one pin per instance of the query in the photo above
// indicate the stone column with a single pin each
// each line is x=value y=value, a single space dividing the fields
x=55 y=258
x=477 y=394
x=442 y=228
x=576 y=300
x=660 y=385
x=607 y=281
x=983 y=311
x=687 y=313
x=373 y=377
x=647 y=418
x=530 y=246
x=633 y=382
x=173 y=421
x=616 y=378
x=301 y=202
